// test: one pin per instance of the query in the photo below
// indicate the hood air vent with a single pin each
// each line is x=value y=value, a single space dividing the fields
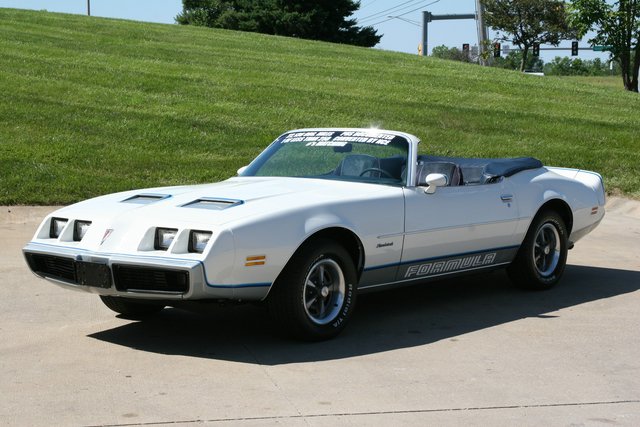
x=214 y=204
x=144 y=199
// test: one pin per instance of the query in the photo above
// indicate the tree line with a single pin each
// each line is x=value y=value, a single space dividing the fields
x=559 y=66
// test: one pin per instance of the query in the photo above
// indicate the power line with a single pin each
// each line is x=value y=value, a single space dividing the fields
x=368 y=4
x=393 y=10
x=378 y=15
x=405 y=13
x=410 y=21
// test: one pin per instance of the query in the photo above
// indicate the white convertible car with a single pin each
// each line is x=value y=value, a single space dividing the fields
x=320 y=216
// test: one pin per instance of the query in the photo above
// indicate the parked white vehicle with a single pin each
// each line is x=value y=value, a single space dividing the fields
x=320 y=216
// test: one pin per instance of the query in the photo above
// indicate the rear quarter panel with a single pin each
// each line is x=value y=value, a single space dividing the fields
x=580 y=190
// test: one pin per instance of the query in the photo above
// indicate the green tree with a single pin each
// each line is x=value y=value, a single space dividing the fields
x=315 y=19
x=202 y=13
x=450 y=53
x=513 y=61
x=616 y=25
x=565 y=66
x=527 y=22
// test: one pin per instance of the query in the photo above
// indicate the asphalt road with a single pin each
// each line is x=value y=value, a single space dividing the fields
x=465 y=352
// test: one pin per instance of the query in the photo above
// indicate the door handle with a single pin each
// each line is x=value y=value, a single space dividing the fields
x=506 y=198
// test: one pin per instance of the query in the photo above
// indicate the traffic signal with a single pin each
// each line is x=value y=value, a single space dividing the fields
x=496 y=50
x=536 y=49
x=465 y=48
x=574 y=48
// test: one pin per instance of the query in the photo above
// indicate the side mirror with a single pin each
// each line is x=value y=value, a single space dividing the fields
x=435 y=180
x=241 y=170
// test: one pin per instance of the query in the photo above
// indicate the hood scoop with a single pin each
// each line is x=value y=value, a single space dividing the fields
x=213 y=203
x=145 y=199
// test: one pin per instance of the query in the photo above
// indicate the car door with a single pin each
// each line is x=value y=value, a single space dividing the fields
x=457 y=229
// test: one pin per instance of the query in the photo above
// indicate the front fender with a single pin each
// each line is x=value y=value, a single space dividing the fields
x=263 y=249
x=323 y=221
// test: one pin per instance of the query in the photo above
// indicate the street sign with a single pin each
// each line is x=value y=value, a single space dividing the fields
x=602 y=48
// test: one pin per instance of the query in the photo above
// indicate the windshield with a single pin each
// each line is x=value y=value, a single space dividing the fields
x=345 y=155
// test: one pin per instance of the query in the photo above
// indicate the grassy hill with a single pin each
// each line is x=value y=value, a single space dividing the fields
x=91 y=106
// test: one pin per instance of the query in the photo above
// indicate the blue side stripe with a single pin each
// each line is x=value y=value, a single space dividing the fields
x=243 y=285
x=399 y=264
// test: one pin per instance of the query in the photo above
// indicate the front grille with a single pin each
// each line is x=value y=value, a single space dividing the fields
x=53 y=266
x=126 y=277
x=150 y=279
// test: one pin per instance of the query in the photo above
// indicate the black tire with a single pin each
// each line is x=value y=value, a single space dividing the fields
x=314 y=296
x=130 y=308
x=542 y=257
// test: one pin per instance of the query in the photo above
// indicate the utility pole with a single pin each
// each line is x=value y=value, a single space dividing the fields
x=482 y=31
x=88 y=7
x=429 y=17
x=478 y=16
x=426 y=18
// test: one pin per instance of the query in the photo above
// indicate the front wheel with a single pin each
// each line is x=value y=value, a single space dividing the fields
x=131 y=308
x=315 y=294
x=542 y=257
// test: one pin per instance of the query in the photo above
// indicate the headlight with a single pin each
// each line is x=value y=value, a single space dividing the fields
x=198 y=240
x=57 y=225
x=80 y=229
x=164 y=237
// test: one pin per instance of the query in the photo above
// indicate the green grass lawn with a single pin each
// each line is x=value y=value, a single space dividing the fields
x=91 y=106
x=613 y=82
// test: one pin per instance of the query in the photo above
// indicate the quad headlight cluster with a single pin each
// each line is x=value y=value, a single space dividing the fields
x=58 y=225
x=198 y=239
x=80 y=228
x=164 y=238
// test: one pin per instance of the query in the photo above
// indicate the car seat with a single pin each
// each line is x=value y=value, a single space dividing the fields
x=450 y=170
x=355 y=164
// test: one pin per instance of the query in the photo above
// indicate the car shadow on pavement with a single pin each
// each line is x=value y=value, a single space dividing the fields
x=402 y=318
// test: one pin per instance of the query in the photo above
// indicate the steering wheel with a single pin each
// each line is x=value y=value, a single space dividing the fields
x=382 y=171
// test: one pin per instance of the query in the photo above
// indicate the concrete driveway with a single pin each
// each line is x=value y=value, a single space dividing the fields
x=464 y=352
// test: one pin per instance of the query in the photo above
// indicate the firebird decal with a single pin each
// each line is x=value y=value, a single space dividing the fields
x=107 y=233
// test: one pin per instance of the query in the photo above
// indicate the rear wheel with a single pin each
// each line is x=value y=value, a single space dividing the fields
x=542 y=257
x=315 y=294
x=131 y=308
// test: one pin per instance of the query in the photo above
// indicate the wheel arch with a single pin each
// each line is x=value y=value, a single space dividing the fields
x=562 y=208
x=345 y=238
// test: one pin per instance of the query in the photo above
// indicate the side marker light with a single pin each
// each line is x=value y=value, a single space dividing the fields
x=254 y=260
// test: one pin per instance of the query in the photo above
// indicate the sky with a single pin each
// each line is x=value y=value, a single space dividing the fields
x=399 y=20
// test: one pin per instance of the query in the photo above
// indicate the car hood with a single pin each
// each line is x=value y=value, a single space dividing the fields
x=233 y=200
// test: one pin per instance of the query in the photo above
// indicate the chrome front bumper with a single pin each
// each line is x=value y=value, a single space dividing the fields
x=121 y=275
